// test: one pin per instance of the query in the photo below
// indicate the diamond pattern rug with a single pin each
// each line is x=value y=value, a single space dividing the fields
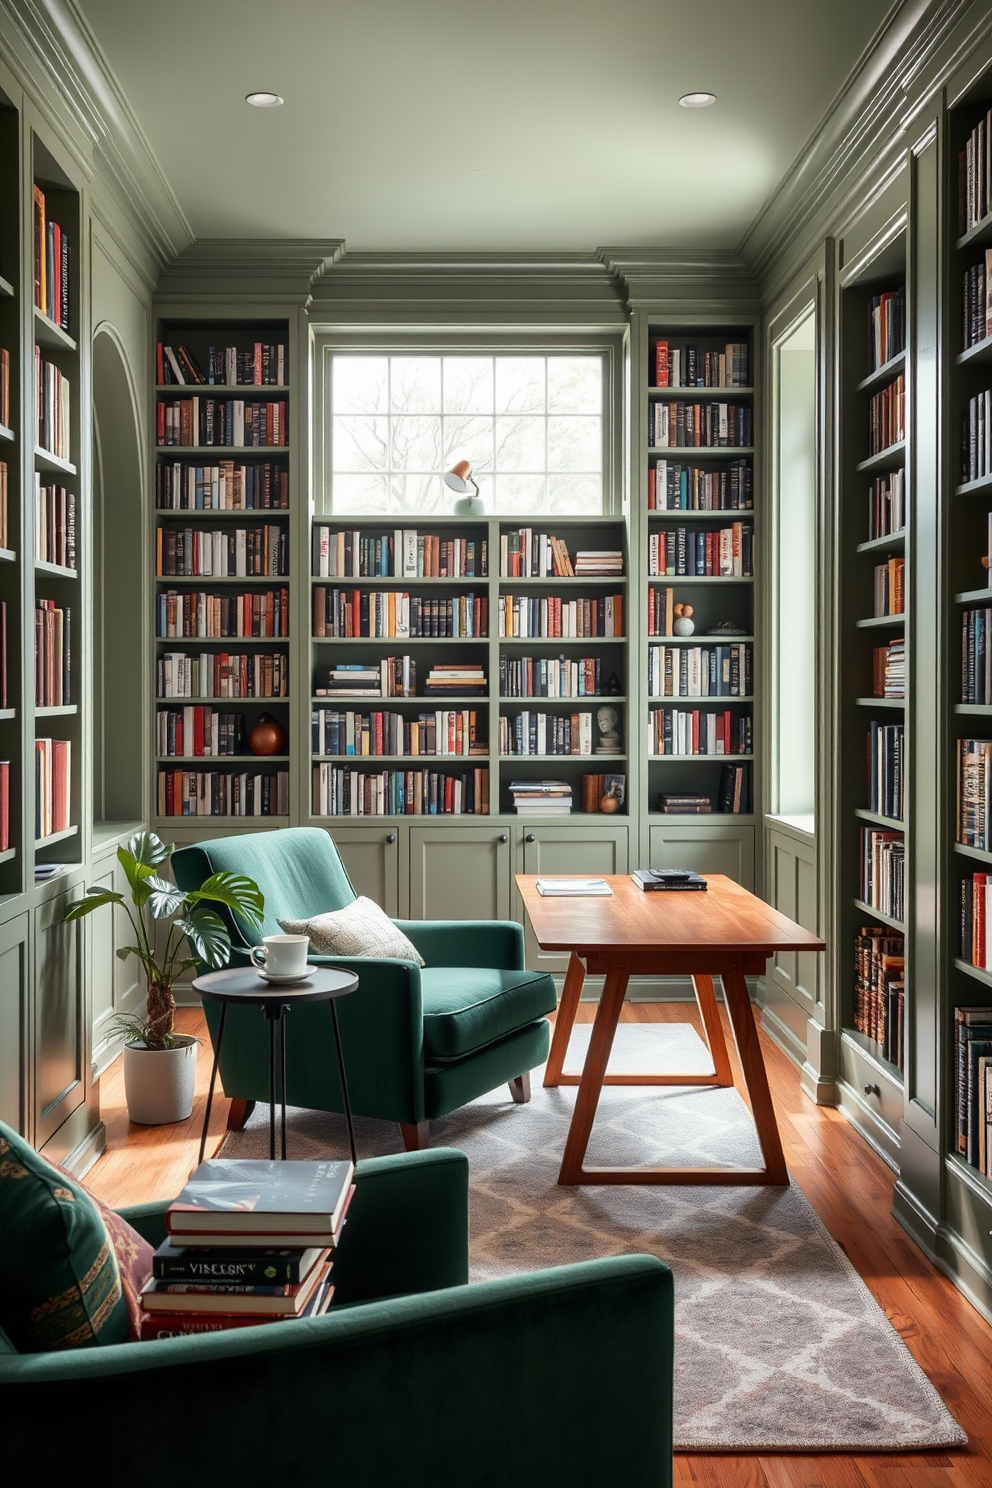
x=779 y=1345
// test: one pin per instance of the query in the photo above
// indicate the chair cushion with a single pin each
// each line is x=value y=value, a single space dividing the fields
x=360 y=929
x=466 y=1008
x=60 y=1285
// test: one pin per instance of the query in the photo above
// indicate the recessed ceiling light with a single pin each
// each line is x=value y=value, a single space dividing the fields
x=264 y=100
x=697 y=100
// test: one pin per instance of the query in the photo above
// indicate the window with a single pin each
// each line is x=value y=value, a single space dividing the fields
x=533 y=425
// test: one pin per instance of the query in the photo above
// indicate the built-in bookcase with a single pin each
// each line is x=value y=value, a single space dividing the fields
x=874 y=836
x=223 y=619
x=12 y=662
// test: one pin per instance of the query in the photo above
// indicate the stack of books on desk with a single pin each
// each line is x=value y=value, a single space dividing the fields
x=541 y=797
x=249 y=1243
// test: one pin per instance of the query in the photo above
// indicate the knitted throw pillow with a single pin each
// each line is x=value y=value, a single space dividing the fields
x=360 y=929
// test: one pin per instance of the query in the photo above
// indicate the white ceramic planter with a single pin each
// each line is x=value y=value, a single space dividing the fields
x=159 y=1083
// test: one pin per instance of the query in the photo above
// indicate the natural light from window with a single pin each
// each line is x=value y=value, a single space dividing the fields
x=531 y=425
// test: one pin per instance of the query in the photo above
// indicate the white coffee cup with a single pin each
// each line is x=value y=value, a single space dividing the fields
x=281 y=955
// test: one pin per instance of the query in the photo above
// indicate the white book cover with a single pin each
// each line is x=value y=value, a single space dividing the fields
x=409 y=553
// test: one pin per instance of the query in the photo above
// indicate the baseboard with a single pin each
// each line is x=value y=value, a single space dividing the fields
x=783 y=1036
x=822 y=1092
x=968 y=1271
x=877 y=1133
x=920 y=1225
x=84 y=1155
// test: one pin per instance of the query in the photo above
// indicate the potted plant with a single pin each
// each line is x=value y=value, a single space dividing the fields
x=160 y=1064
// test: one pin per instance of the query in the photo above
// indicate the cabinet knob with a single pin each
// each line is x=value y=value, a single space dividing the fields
x=503 y=837
x=530 y=837
x=872 y=1090
x=391 y=838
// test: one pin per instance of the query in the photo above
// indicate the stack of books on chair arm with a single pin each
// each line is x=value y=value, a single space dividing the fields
x=249 y=1243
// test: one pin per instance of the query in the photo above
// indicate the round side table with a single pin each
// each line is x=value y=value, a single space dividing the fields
x=240 y=985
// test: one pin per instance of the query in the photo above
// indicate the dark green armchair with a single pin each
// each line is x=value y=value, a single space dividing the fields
x=412 y=1378
x=418 y=1042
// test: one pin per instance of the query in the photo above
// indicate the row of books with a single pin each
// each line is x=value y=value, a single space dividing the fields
x=698 y=731
x=722 y=552
x=226 y=486
x=235 y=553
x=699 y=671
x=4 y=387
x=887 y=416
x=195 y=614
x=976 y=438
x=886 y=326
x=976 y=656
x=391 y=613
x=4 y=528
x=550 y=676
x=529 y=554
x=887 y=504
x=52 y=778
x=733 y=797
x=53 y=683
x=219 y=674
x=52 y=408
x=976 y=301
x=232 y=422
x=223 y=793
x=880 y=990
x=694 y=366
x=4 y=805
x=199 y=730
x=260 y=365
x=339 y=790
x=541 y=797
x=889 y=669
x=546 y=733
x=54 y=525
x=391 y=676
x=975 y=176
x=553 y=617
x=673 y=486
x=883 y=871
x=890 y=587
x=3 y=653
x=886 y=769
x=701 y=425
x=404 y=553
x=973 y=1086
x=248 y=1243
x=52 y=264
x=976 y=920
x=444 y=731
x=974 y=793
x=595 y=788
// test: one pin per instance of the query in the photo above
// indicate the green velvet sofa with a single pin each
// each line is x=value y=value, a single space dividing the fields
x=418 y=1042
x=411 y=1380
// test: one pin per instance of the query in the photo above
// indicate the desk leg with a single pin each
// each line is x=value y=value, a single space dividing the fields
x=591 y=1083
x=755 y=1077
x=713 y=1028
x=213 y=1080
x=570 y=994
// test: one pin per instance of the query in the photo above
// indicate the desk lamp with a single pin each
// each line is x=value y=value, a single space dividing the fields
x=459 y=478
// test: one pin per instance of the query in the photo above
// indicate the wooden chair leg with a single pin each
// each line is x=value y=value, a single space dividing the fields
x=520 y=1088
x=239 y=1113
x=416 y=1135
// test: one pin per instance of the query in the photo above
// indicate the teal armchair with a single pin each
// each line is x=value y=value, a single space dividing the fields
x=411 y=1378
x=418 y=1042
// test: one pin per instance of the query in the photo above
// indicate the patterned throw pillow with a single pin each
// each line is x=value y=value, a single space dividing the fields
x=134 y=1259
x=361 y=929
x=60 y=1285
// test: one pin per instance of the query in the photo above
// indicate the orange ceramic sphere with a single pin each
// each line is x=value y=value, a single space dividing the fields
x=268 y=736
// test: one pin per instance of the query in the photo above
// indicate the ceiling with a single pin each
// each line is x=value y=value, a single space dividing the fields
x=453 y=125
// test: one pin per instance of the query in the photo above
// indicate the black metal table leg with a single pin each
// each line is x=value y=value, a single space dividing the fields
x=213 y=1078
x=344 y=1082
x=282 y=1052
x=272 y=1014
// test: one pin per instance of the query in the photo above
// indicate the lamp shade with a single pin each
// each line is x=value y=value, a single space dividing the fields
x=458 y=477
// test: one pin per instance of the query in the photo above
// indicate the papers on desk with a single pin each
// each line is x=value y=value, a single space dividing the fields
x=572 y=888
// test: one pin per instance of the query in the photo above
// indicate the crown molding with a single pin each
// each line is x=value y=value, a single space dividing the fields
x=236 y=268
x=682 y=277
x=50 y=47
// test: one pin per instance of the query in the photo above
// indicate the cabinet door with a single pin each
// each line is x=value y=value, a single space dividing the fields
x=459 y=873
x=592 y=850
x=115 y=985
x=14 y=1016
x=711 y=847
x=60 y=1032
x=371 y=856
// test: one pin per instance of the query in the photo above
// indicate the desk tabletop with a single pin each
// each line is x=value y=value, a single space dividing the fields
x=723 y=917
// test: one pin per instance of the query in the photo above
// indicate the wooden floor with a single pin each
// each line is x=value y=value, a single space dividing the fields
x=851 y=1190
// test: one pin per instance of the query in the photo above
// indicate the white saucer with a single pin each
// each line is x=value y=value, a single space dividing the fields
x=285 y=981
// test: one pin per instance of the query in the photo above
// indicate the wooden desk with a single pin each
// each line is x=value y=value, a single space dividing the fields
x=724 y=932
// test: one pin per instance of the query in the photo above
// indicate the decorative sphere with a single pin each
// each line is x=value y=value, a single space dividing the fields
x=683 y=627
x=609 y=803
x=268 y=736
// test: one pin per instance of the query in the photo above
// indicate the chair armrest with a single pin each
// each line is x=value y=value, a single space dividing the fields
x=148 y=1220
x=495 y=943
x=474 y=1380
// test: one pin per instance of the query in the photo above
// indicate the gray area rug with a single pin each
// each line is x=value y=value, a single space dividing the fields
x=779 y=1345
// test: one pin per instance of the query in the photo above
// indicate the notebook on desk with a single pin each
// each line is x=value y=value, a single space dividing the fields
x=572 y=887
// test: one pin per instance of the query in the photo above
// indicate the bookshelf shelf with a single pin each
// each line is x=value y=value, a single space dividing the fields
x=9 y=855
x=558 y=581
x=697 y=579
x=590 y=642
x=887 y=459
x=6 y=433
x=63 y=710
x=230 y=642
x=411 y=761
x=212 y=761
x=408 y=583
x=62 y=836
x=883 y=374
x=700 y=640
x=703 y=451
x=972 y=852
x=682 y=514
x=249 y=702
x=211 y=824
x=890 y=822
x=564 y=702
x=881 y=544
x=875 y=622
x=7 y=555
x=979 y=487
x=47 y=333
x=401 y=640
x=974 y=596
x=45 y=460
x=978 y=710
x=719 y=394
x=978 y=973
x=383 y=704
x=980 y=352
x=6 y=714
x=219 y=389
x=702 y=759
x=209 y=580
x=7 y=289
x=978 y=235
x=877 y=914
x=874 y=702
x=221 y=451
x=560 y=759
x=56 y=570
x=693 y=818
x=223 y=514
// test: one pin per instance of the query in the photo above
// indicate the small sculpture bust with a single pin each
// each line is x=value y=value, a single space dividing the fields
x=609 y=737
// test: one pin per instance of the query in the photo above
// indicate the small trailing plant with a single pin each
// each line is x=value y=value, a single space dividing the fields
x=194 y=927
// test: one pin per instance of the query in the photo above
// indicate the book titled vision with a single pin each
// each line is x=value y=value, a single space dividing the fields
x=261 y=1198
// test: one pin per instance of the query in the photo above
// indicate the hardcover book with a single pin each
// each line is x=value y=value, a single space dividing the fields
x=262 y=1197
